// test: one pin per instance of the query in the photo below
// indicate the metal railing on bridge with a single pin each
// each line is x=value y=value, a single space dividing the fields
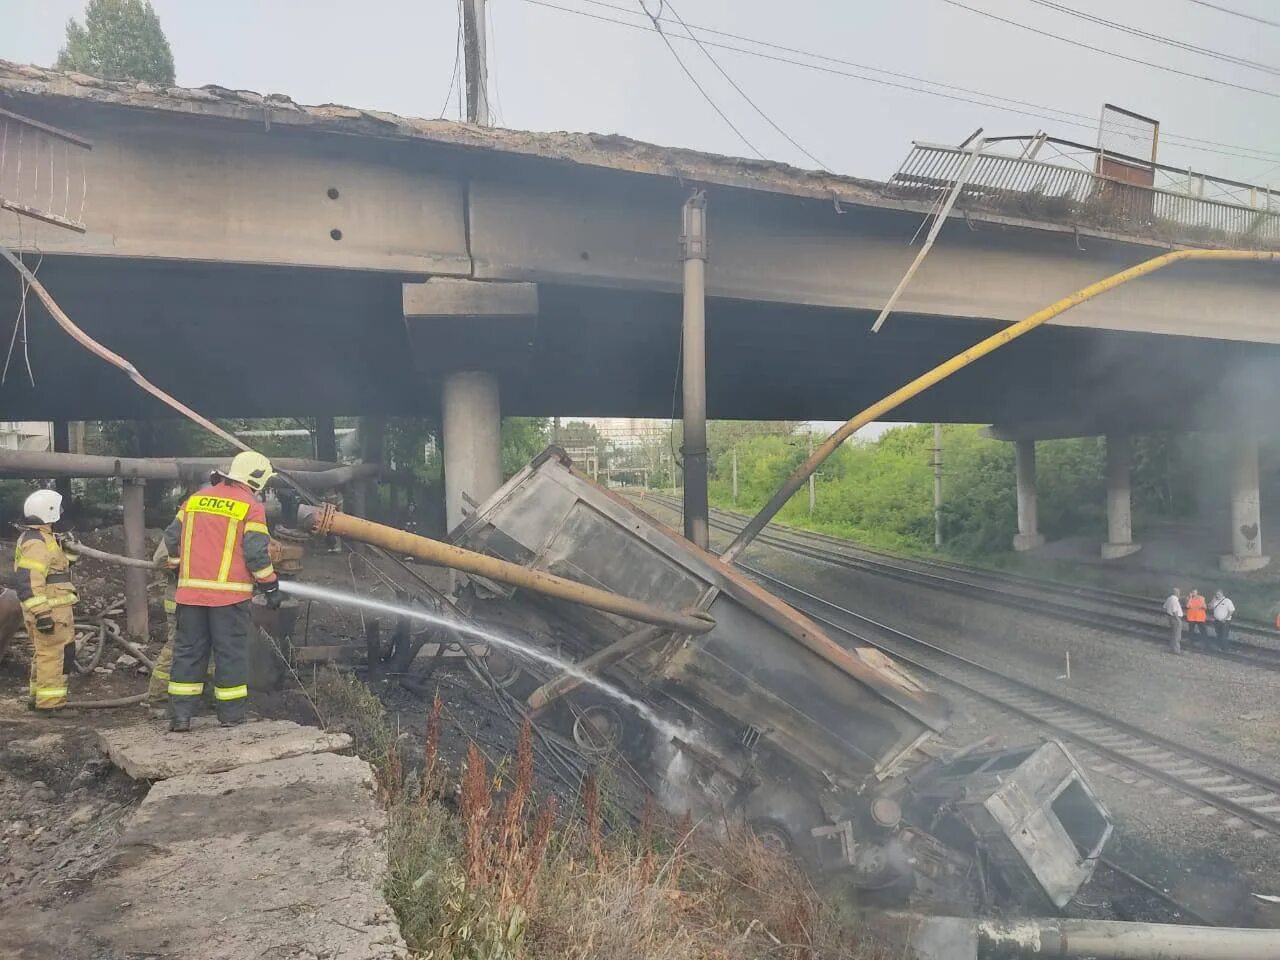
x=1173 y=205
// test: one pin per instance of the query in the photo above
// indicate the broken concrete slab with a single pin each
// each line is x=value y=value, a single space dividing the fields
x=149 y=752
x=278 y=859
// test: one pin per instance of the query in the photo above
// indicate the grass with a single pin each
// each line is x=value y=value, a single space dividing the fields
x=479 y=868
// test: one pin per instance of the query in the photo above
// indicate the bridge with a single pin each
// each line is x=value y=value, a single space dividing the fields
x=257 y=257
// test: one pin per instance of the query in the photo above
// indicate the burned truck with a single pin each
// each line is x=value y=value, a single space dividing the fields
x=826 y=750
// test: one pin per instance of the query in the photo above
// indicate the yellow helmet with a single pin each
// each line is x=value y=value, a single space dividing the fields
x=252 y=469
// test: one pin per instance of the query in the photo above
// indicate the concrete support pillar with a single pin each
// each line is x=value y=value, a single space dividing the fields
x=1246 y=510
x=326 y=440
x=472 y=428
x=1119 y=510
x=1028 y=536
x=371 y=432
x=135 y=545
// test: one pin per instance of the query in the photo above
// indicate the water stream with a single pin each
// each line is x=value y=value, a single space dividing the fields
x=310 y=591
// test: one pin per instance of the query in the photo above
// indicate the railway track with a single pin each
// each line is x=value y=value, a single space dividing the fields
x=1095 y=609
x=1240 y=795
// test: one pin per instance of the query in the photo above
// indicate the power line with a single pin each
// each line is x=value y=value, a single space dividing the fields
x=964 y=94
x=1090 y=120
x=1111 y=53
x=657 y=27
x=457 y=53
x=724 y=73
x=1235 y=13
x=1156 y=37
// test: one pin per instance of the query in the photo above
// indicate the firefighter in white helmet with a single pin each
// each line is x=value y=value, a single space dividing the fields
x=47 y=594
x=220 y=547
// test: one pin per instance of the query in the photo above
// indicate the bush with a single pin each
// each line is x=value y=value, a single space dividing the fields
x=496 y=875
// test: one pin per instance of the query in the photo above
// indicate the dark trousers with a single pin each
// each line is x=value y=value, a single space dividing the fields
x=224 y=632
x=1223 y=630
x=1198 y=633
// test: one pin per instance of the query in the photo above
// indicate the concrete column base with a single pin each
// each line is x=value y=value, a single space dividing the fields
x=1114 y=551
x=1027 y=541
x=1235 y=563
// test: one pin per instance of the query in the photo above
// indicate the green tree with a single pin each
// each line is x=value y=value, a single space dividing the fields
x=119 y=40
x=523 y=438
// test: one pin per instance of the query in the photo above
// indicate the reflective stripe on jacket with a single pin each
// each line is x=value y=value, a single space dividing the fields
x=1195 y=610
x=43 y=572
x=219 y=544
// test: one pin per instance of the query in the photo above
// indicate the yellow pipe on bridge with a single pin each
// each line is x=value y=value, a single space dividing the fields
x=959 y=362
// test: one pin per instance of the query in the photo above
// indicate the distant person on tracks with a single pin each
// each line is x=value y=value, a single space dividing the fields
x=1196 y=617
x=1223 y=611
x=1173 y=613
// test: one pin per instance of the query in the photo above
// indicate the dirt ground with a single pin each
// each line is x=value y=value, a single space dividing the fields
x=61 y=806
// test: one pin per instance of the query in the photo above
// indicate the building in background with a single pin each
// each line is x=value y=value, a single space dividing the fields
x=35 y=435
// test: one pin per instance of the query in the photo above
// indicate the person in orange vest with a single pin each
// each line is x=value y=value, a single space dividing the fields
x=1196 y=617
x=220 y=547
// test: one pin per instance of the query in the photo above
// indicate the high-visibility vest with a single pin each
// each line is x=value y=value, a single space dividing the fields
x=1195 y=610
x=213 y=570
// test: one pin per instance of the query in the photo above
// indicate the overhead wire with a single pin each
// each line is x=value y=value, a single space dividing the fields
x=733 y=83
x=961 y=94
x=1091 y=120
x=694 y=80
x=1235 y=13
x=457 y=56
x=1156 y=37
x=1111 y=53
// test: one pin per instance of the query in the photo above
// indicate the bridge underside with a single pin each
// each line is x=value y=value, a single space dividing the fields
x=256 y=341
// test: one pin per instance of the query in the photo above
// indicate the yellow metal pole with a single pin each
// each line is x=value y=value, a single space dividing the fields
x=959 y=362
x=325 y=519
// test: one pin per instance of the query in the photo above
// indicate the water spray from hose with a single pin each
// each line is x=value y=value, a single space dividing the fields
x=311 y=591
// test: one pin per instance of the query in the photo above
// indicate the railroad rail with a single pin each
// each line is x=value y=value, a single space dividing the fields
x=1088 y=607
x=1249 y=796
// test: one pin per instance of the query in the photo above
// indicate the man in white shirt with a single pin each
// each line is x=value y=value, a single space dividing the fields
x=1222 y=610
x=1173 y=613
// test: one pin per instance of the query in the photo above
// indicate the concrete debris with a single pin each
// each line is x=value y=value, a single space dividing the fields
x=150 y=752
x=39 y=791
x=282 y=858
x=124 y=660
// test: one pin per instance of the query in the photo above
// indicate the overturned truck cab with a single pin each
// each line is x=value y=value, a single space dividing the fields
x=821 y=748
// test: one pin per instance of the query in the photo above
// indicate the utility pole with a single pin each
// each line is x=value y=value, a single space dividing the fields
x=693 y=250
x=937 y=485
x=476 y=60
x=735 y=473
x=813 y=492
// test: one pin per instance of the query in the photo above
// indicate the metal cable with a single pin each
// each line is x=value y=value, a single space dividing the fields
x=657 y=27
x=1111 y=53
x=960 y=93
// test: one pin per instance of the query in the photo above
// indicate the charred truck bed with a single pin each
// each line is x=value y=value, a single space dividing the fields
x=815 y=745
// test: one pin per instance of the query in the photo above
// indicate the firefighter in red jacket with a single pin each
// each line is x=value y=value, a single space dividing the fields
x=218 y=543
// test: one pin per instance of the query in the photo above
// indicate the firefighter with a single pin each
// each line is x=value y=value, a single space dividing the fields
x=219 y=545
x=47 y=595
x=158 y=685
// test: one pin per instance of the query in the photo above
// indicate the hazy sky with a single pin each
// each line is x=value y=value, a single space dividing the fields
x=554 y=70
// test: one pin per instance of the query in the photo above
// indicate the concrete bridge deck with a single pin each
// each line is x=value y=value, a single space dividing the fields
x=232 y=234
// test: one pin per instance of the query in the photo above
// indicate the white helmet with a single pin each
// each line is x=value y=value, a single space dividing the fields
x=252 y=469
x=43 y=506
